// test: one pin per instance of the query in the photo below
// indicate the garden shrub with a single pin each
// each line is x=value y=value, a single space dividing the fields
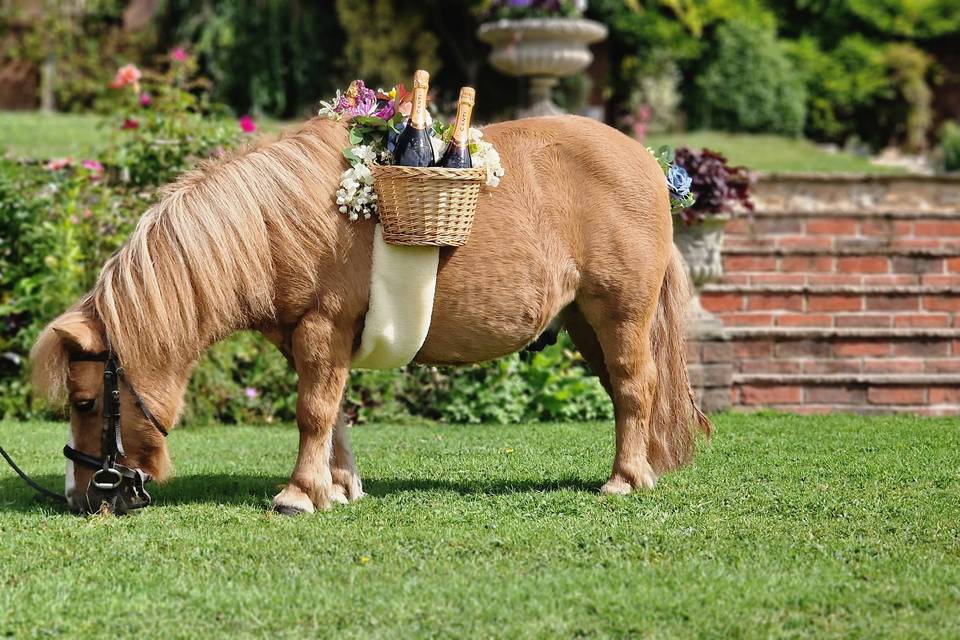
x=873 y=93
x=748 y=83
x=950 y=145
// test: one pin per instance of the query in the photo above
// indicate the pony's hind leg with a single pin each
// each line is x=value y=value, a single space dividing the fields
x=621 y=343
x=343 y=468
x=321 y=352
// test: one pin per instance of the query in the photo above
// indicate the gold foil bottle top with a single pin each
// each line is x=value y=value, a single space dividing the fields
x=468 y=96
x=421 y=83
x=421 y=79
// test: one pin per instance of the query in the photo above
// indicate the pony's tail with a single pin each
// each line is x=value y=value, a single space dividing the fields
x=675 y=416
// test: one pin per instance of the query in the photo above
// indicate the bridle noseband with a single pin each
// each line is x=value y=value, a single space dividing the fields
x=119 y=486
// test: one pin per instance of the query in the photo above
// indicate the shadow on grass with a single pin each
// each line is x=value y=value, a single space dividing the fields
x=257 y=490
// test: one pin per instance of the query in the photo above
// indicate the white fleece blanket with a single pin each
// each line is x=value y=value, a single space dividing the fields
x=402 y=284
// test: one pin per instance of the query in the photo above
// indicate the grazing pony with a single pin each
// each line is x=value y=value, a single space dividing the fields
x=579 y=230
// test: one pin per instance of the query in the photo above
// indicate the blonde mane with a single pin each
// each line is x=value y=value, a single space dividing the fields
x=203 y=261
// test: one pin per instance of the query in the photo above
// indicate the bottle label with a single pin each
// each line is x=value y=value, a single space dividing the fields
x=418 y=119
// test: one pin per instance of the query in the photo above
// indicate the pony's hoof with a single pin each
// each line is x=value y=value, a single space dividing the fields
x=616 y=488
x=621 y=484
x=292 y=501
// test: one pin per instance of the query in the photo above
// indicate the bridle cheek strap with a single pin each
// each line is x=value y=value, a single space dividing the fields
x=115 y=481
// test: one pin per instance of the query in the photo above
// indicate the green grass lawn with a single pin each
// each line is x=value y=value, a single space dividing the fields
x=772 y=153
x=784 y=526
x=36 y=135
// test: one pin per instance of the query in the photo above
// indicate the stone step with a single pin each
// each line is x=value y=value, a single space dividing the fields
x=833 y=305
x=870 y=193
x=921 y=394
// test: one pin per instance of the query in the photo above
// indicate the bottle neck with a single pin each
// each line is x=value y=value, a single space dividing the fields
x=418 y=116
x=461 y=130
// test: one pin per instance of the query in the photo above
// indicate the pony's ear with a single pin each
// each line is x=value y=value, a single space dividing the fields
x=72 y=332
x=78 y=333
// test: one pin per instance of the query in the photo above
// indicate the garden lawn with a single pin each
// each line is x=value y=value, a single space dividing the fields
x=772 y=153
x=784 y=526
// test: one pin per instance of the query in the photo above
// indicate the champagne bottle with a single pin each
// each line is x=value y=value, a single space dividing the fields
x=457 y=155
x=413 y=146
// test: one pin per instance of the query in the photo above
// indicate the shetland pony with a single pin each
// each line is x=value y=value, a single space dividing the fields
x=578 y=230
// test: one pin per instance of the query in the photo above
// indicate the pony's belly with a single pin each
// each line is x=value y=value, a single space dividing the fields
x=473 y=324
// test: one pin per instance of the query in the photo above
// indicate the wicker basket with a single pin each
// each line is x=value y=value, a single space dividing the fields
x=427 y=205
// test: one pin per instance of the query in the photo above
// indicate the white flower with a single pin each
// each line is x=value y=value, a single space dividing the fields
x=438 y=145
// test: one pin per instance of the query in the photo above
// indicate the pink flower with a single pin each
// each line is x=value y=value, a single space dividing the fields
x=94 y=167
x=178 y=54
x=87 y=214
x=145 y=99
x=247 y=124
x=130 y=123
x=251 y=393
x=128 y=74
x=58 y=164
x=74 y=220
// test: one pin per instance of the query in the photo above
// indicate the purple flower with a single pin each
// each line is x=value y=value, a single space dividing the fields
x=251 y=393
x=386 y=111
x=358 y=101
x=145 y=99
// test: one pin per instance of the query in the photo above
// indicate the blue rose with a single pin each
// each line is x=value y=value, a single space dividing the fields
x=678 y=181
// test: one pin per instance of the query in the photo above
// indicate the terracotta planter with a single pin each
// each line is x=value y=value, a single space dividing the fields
x=701 y=246
x=543 y=49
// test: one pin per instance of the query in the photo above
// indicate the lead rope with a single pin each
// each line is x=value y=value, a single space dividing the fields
x=43 y=491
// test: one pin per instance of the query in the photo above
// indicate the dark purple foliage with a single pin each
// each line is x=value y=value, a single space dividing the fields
x=716 y=185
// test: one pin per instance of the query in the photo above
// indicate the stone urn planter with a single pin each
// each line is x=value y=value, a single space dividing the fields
x=543 y=49
x=701 y=244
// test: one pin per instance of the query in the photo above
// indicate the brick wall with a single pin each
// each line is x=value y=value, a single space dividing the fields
x=844 y=294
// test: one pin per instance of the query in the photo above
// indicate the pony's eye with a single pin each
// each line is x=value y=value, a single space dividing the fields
x=84 y=406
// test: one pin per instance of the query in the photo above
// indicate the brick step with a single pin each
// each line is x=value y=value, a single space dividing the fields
x=880 y=227
x=828 y=268
x=833 y=306
x=947 y=243
x=819 y=351
x=920 y=394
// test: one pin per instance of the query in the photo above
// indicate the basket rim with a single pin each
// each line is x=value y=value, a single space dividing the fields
x=441 y=173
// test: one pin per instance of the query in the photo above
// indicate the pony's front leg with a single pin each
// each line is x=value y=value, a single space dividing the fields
x=321 y=353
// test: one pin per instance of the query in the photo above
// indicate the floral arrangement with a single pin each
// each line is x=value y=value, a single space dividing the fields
x=678 y=181
x=375 y=120
x=716 y=186
x=514 y=9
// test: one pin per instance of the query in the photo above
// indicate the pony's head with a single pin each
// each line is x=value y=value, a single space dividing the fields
x=69 y=360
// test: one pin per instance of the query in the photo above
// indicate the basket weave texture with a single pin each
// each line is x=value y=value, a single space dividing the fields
x=426 y=205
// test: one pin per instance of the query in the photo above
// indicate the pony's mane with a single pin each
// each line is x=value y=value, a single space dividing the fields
x=202 y=262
